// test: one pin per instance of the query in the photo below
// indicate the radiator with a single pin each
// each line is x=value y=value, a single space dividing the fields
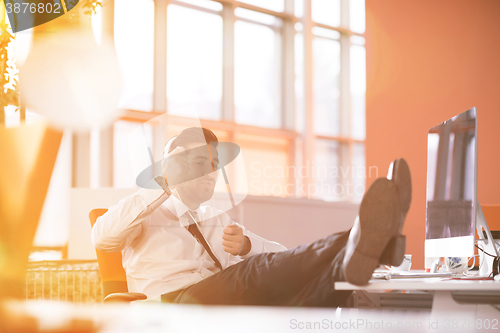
x=72 y=281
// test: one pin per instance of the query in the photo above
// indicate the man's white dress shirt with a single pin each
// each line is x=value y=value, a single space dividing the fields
x=159 y=254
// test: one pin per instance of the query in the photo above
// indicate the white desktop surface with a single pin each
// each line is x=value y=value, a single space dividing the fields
x=422 y=284
x=443 y=303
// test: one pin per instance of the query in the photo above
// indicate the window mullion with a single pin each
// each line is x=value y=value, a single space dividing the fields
x=346 y=161
x=344 y=14
x=160 y=73
x=105 y=149
x=106 y=146
x=228 y=19
x=309 y=137
x=288 y=77
x=160 y=56
x=81 y=160
x=227 y=105
x=345 y=103
x=288 y=85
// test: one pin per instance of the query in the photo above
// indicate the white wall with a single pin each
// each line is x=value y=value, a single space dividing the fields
x=53 y=227
x=288 y=221
x=292 y=221
x=82 y=201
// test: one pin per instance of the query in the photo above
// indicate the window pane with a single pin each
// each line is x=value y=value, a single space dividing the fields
x=358 y=40
x=298 y=8
x=326 y=12
x=326 y=85
x=266 y=164
x=194 y=63
x=327 y=170
x=256 y=73
x=123 y=171
x=359 y=172
x=134 y=31
x=358 y=92
x=299 y=83
x=276 y=5
x=357 y=15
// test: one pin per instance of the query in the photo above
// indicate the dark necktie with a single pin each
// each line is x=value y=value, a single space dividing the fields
x=195 y=231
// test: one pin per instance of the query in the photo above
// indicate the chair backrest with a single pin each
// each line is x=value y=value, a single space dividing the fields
x=113 y=277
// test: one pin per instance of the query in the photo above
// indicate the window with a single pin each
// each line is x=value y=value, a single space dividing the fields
x=194 y=63
x=326 y=86
x=326 y=12
x=257 y=69
x=276 y=5
x=284 y=79
x=134 y=48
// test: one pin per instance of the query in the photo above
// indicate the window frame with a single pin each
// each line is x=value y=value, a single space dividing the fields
x=301 y=147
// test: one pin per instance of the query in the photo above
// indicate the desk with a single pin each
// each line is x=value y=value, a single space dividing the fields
x=443 y=301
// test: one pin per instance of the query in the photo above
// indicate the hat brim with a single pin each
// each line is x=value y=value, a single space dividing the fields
x=227 y=152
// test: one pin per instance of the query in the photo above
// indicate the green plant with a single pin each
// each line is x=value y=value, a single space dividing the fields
x=9 y=93
x=91 y=6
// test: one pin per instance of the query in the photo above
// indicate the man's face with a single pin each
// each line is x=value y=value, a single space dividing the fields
x=203 y=162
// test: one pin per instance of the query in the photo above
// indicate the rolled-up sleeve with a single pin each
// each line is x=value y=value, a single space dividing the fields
x=258 y=244
x=121 y=224
x=261 y=245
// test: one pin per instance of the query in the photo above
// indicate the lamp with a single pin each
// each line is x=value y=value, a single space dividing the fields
x=68 y=77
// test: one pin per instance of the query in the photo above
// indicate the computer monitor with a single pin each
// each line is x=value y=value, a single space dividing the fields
x=453 y=211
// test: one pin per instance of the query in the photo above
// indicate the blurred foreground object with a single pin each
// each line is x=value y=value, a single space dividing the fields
x=9 y=94
x=68 y=77
x=46 y=317
x=28 y=154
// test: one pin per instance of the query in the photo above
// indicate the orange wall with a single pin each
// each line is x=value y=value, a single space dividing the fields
x=428 y=60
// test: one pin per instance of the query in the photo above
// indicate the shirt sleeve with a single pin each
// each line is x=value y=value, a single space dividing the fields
x=258 y=244
x=261 y=245
x=121 y=224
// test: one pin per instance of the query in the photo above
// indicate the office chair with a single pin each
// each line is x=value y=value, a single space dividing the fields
x=113 y=277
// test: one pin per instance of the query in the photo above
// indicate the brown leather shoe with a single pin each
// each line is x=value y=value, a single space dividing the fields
x=376 y=235
x=377 y=223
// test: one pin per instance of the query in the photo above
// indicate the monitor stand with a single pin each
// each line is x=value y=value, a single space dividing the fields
x=487 y=244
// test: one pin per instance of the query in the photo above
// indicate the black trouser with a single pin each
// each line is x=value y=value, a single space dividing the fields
x=302 y=276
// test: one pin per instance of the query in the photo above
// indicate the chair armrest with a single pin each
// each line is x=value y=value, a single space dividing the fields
x=124 y=297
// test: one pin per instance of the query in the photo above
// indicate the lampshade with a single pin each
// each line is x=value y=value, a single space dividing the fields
x=68 y=77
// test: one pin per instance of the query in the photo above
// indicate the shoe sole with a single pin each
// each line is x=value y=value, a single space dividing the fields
x=399 y=173
x=379 y=215
x=402 y=178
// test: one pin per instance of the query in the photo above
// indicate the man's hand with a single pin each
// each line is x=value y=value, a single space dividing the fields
x=234 y=241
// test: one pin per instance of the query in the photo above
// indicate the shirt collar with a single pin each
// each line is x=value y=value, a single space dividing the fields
x=178 y=208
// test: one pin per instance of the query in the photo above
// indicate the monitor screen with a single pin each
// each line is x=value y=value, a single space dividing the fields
x=451 y=186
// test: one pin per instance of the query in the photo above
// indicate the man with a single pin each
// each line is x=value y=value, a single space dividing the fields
x=194 y=254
